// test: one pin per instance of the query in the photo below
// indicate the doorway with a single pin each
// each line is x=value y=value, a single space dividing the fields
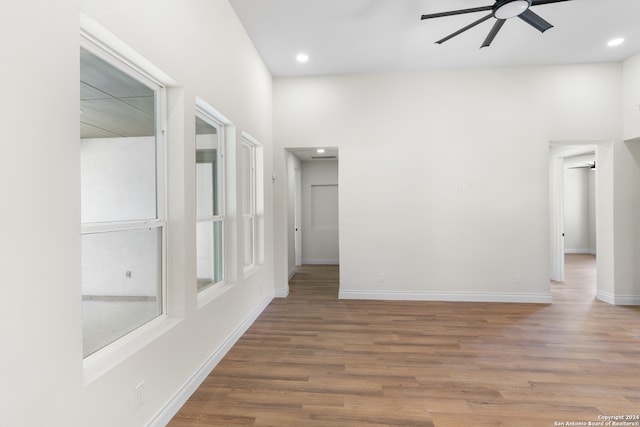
x=313 y=206
x=573 y=201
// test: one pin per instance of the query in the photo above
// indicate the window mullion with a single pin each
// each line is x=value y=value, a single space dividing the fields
x=214 y=218
x=106 y=227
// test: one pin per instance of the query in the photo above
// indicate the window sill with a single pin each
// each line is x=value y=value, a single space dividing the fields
x=107 y=358
x=212 y=293
x=250 y=271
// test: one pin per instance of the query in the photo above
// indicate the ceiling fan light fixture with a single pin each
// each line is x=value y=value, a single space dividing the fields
x=505 y=9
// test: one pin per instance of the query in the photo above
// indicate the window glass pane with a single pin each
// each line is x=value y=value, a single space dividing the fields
x=247 y=205
x=209 y=253
x=118 y=144
x=121 y=284
x=207 y=186
x=205 y=183
x=218 y=243
x=118 y=179
x=248 y=241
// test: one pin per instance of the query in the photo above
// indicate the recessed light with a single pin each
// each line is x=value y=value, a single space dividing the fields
x=302 y=57
x=615 y=42
x=320 y=150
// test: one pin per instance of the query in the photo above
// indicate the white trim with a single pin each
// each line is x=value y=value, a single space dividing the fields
x=102 y=361
x=627 y=300
x=607 y=297
x=321 y=261
x=208 y=294
x=251 y=144
x=214 y=118
x=544 y=298
x=108 y=227
x=99 y=42
x=97 y=35
x=205 y=108
x=282 y=293
x=250 y=139
x=169 y=409
x=292 y=272
x=612 y=299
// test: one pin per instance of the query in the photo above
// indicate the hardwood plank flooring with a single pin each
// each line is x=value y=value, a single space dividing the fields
x=314 y=360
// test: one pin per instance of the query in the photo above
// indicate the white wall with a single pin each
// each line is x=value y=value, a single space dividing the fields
x=45 y=381
x=576 y=219
x=631 y=98
x=444 y=174
x=627 y=214
x=320 y=212
x=579 y=205
x=626 y=197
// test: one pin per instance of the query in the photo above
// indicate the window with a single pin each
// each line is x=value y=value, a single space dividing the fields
x=209 y=200
x=122 y=197
x=252 y=201
x=248 y=203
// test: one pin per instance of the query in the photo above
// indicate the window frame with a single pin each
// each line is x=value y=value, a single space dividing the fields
x=206 y=113
x=251 y=144
x=113 y=57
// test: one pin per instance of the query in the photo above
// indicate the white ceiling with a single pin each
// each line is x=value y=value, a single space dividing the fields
x=366 y=36
x=310 y=154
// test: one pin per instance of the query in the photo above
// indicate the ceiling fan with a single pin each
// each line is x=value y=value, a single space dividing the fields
x=501 y=10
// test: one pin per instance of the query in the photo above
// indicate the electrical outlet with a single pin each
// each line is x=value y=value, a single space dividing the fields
x=128 y=274
x=139 y=394
x=517 y=279
x=380 y=277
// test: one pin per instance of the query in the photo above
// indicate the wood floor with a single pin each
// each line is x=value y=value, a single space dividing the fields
x=314 y=360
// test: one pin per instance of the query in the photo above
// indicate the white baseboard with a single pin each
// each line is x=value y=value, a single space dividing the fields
x=321 y=261
x=176 y=402
x=579 y=251
x=448 y=296
x=606 y=297
x=612 y=299
x=282 y=292
x=627 y=300
x=292 y=272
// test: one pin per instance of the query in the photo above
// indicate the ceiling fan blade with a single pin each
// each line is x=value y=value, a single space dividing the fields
x=457 y=12
x=539 y=2
x=535 y=20
x=462 y=30
x=492 y=34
